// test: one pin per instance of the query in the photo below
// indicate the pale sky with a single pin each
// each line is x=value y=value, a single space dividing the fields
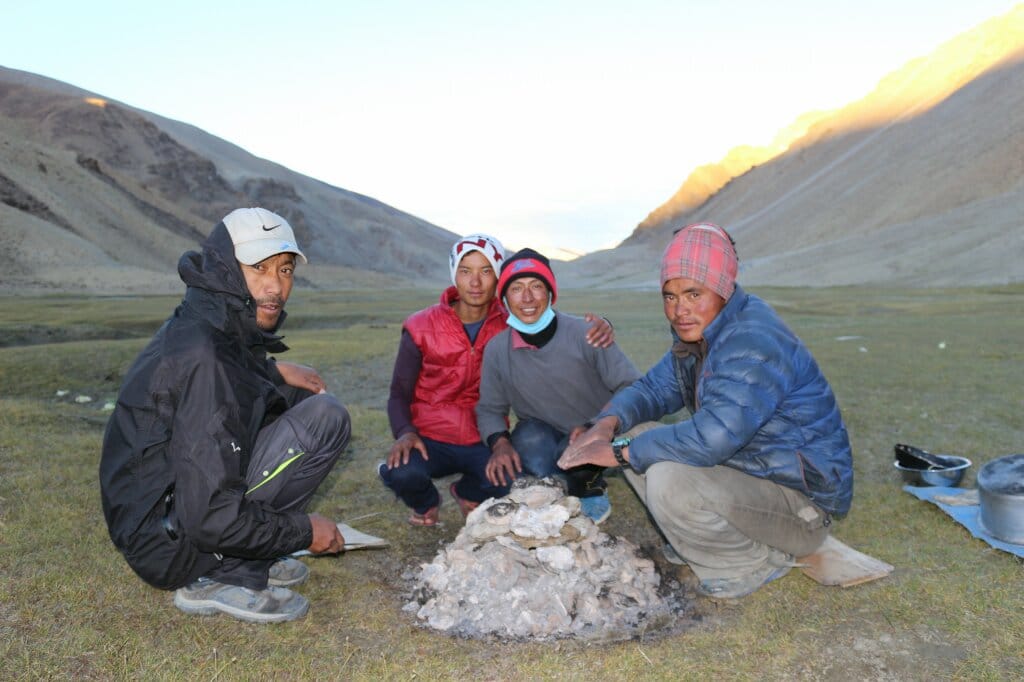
x=547 y=124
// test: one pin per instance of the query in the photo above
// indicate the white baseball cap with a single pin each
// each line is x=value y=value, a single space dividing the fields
x=259 y=234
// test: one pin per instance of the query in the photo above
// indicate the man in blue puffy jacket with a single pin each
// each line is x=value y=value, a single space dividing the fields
x=755 y=476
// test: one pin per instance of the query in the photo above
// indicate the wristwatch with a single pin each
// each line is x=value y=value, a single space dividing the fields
x=617 y=446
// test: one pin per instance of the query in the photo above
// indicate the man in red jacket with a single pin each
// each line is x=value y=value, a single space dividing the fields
x=436 y=384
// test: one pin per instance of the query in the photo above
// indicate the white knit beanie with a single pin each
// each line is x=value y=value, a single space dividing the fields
x=484 y=243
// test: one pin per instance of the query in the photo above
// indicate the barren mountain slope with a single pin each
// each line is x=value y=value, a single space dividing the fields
x=98 y=195
x=919 y=183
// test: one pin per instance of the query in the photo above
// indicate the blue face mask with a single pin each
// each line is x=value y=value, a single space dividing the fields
x=533 y=328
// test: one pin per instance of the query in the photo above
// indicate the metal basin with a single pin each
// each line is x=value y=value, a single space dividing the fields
x=1001 y=495
x=949 y=476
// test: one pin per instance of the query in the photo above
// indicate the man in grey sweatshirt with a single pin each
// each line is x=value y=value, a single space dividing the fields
x=543 y=369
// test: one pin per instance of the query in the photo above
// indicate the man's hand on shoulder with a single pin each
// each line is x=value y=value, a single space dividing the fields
x=301 y=376
x=601 y=333
x=327 y=539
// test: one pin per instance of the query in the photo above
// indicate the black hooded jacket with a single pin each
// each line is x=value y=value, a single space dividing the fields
x=186 y=421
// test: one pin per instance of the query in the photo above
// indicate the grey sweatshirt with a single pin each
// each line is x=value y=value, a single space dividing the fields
x=562 y=384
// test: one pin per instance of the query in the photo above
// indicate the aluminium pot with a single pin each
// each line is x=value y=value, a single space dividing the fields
x=1001 y=496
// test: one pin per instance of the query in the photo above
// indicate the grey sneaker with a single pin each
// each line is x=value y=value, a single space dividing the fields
x=734 y=588
x=286 y=572
x=272 y=605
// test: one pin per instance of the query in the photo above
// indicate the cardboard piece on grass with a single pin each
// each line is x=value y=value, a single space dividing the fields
x=354 y=539
x=836 y=563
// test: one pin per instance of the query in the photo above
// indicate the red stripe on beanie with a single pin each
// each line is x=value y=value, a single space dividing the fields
x=522 y=265
x=489 y=246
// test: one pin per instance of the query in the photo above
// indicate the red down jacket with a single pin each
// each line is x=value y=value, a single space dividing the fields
x=444 y=402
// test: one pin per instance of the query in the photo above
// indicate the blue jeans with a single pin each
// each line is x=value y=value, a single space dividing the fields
x=540 y=445
x=413 y=482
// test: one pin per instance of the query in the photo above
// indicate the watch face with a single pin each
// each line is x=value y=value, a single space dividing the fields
x=617 y=451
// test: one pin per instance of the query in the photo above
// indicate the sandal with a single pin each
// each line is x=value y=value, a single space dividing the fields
x=465 y=506
x=427 y=518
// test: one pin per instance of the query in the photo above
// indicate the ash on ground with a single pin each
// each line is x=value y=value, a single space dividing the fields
x=530 y=566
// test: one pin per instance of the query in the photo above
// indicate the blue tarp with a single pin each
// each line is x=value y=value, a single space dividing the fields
x=966 y=515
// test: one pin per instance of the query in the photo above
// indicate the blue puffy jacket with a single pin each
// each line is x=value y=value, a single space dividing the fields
x=765 y=408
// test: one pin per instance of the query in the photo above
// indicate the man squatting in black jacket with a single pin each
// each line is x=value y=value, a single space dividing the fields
x=214 y=449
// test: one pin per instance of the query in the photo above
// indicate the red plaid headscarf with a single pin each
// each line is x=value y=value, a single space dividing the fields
x=705 y=253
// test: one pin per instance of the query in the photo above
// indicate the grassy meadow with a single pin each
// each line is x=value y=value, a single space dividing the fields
x=939 y=369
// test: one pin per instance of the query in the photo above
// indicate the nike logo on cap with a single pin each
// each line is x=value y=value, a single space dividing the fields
x=268 y=229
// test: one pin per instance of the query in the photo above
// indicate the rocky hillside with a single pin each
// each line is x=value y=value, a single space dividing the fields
x=919 y=183
x=96 y=195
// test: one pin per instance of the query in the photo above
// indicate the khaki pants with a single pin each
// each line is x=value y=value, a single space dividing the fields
x=726 y=523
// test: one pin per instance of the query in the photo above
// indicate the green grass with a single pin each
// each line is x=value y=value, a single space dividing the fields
x=953 y=608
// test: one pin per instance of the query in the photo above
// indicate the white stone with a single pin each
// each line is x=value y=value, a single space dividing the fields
x=573 y=581
x=570 y=502
x=540 y=522
x=541 y=493
x=557 y=557
x=588 y=529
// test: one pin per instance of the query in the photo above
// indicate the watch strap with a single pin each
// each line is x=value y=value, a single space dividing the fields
x=617 y=446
